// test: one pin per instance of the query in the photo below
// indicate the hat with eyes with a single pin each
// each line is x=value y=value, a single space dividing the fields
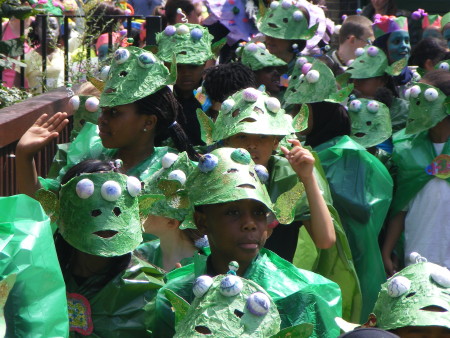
x=384 y=24
x=256 y=56
x=419 y=295
x=134 y=74
x=85 y=109
x=230 y=306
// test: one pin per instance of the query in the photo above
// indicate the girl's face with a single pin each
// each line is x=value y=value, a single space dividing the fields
x=122 y=127
x=189 y=76
x=236 y=230
x=260 y=147
x=156 y=225
x=269 y=77
x=368 y=87
x=398 y=46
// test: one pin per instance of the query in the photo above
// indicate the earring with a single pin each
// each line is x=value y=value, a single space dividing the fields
x=145 y=130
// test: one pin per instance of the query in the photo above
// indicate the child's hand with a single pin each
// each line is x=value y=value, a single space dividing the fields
x=300 y=159
x=42 y=132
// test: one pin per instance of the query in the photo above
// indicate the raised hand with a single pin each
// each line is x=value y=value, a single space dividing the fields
x=300 y=159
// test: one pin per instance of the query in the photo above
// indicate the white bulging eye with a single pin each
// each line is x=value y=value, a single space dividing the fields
x=182 y=29
x=262 y=173
x=75 y=102
x=398 y=286
x=431 y=94
x=177 y=175
x=121 y=55
x=85 y=188
x=168 y=159
x=444 y=66
x=227 y=105
x=408 y=93
x=372 y=51
x=251 y=94
x=312 y=76
x=273 y=104
x=373 y=106
x=261 y=45
x=196 y=34
x=441 y=276
x=104 y=73
x=416 y=76
x=274 y=4
x=92 y=104
x=359 y=51
x=111 y=191
x=230 y=285
x=286 y=4
x=355 y=106
x=251 y=47
x=202 y=285
x=146 y=60
x=301 y=61
x=298 y=15
x=170 y=30
x=415 y=92
x=133 y=186
x=258 y=304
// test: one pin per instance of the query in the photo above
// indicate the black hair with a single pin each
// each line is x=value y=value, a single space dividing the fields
x=433 y=49
x=438 y=78
x=356 y=25
x=171 y=9
x=384 y=95
x=381 y=42
x=226 y=79
x=65 y=251
x=168 y=110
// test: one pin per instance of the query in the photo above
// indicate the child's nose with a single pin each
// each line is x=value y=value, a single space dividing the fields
x=248 y=223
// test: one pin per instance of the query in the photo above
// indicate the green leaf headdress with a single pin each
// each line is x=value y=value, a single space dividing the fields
x=134 y=74
x=256 y=56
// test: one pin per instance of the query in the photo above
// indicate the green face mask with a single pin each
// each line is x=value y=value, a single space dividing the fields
x=371 y=122
x=99 y=213
x=407 y=298
x=427 y=107
x=256 y=57
x=86 y=109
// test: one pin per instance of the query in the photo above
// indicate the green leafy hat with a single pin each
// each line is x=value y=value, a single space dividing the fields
x=256 y=56
x=167 y=185
x=428 y=106
x=371 y=62
x=371 y=121
x=134 y=74
x=85 y=109
x=445 y=20
x=230 y=306
x=409 y=297
x=384 y=24
x=228 y=174
x=286 y=20
x=313 y=81
x=191 y=44
x=248 y=111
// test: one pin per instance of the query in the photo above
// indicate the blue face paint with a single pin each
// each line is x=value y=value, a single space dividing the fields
x=398 y=46
x=447 y=36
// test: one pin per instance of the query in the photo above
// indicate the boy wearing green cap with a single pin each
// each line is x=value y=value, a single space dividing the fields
x=231 y=208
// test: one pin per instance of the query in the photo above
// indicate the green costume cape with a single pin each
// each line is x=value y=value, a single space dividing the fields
x=334 y=263
x=412 y=155
x=362 y=190
x=123 y=307
x=301 y=296
x=36 y=305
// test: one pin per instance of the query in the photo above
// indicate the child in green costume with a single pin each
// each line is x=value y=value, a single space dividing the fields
x=231 y=208
x=139 y=111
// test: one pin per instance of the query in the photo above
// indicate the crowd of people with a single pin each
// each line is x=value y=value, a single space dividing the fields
x=261 y=171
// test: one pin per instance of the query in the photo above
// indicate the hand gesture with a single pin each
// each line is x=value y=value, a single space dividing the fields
x=300 y=159
x=41 y=133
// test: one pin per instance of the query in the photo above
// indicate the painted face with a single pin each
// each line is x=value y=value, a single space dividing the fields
x=99 y=214
x=446 y=35
x=270 y=78
x=398 y=46
x=189 y=76
x=260 y=147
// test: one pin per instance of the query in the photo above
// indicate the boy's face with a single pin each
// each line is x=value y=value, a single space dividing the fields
x=423 y=332
x=189 y=76
x=260 y=147
x=236 y=231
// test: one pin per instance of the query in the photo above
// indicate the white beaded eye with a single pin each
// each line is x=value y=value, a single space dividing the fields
x=262 y=173
x=111 y=191
x=121 y=55
x=92 y=104
x=146 y=60
x=372 y=51
x=301 y=61
x=230 y=285
x=298 y=16
x=261 y=45
x=274 y=4
x=431 y=94
x=273 y=104
x=227 y=105
x=202 y=285
x=359 y=51
x=177 y=175
x=408 y=93
x=168 y=159
x=251 y=94
x=104 y=73
x=251 y=47
x=196 y=34
x=373 y=107
x=286 y=4
x=416 y=76
x=75 y=102
x=258 y=304
x=170 y=30
x=415 y=92
x=441 y=276
x=444 y=66
x=133 y=186
x=355 y=106
x=312 y=76
x=398 y=286
x=85 y=188
x=182 y=29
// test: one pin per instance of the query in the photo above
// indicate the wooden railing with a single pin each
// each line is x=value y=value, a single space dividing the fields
x=14 y=121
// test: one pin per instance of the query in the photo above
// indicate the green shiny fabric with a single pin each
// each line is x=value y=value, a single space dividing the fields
x=301 y=296
x=124 y=306
x=36 y=305
x=399 y=113
x=412 y=154
x=362 y=191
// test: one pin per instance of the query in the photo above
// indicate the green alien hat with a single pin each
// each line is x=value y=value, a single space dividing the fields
x=85 y=109
x=428 y=106
x=445 y=20
x=228 y=174
x=285 y=20
x=134 y=74
x=371 y=122
x=313 y=81
x=371 y=62
x=256 y=56
x=190 y=43
x=248 y=111
x=419 y=295
x=168 y=183
x=230 y=306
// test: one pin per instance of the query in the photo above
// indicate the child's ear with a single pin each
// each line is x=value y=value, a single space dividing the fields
x=200 y=222
x=276 y=143
x=173 y=223
x=351 y=39
x=150 y=122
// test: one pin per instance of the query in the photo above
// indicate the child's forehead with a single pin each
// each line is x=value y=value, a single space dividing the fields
x=242 y=203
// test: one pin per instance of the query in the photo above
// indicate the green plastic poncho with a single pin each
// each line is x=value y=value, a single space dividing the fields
x=300 y=296
x=36 y=305
x=362 y=190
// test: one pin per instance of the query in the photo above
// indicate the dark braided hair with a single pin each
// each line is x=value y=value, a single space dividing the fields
x=224 y=80
x=168 y=110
